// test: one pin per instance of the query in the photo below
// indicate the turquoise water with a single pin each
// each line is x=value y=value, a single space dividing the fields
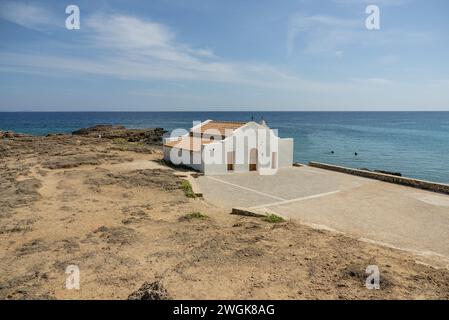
x=413 y=143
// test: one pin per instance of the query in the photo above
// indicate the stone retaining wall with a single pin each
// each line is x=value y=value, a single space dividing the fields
x=246 y=212
x=415 y=183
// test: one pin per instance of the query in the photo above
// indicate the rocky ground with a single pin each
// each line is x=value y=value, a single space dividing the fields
x=99 y=199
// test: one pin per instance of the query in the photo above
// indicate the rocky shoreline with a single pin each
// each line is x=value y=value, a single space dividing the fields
x=12 y=135
x=152 y=136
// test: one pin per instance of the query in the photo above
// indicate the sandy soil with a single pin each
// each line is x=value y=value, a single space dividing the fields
x=106 y=207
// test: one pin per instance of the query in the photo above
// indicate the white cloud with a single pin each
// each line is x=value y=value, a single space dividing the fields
x=319 y=33
x=316 y=31
x=26 y=15
x=376 y=2
x=138 y=38
x=151 y=46
x=205 y=53
x=328 y=34
x=134 y=48
x=128 y=32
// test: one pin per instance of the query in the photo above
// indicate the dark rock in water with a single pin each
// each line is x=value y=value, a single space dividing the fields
x=55 y=134
x=150 y=291
x=98 y=129
x=151 y=136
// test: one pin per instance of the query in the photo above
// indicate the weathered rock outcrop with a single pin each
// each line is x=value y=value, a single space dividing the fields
x=148 y=135
x=150 y=291
x=98 y=129
x=12 y=134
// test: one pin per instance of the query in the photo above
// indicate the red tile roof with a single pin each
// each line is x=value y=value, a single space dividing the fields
x=223 y=127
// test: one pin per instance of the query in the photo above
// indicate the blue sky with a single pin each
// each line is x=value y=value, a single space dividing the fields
x=224 y=55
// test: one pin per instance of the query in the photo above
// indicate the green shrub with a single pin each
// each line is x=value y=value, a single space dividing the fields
x=195 y=215
x=119 y=140
x=187 y=188
x=272 y=218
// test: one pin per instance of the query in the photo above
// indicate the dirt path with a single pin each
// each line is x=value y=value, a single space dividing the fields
x=124 y=221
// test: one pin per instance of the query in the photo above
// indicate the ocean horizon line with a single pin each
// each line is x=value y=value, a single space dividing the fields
x=231 y=111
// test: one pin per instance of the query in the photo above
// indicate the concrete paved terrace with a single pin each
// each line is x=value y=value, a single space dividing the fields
x=394 y=215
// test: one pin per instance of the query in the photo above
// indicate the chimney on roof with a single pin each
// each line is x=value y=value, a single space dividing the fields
x=263 y=122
